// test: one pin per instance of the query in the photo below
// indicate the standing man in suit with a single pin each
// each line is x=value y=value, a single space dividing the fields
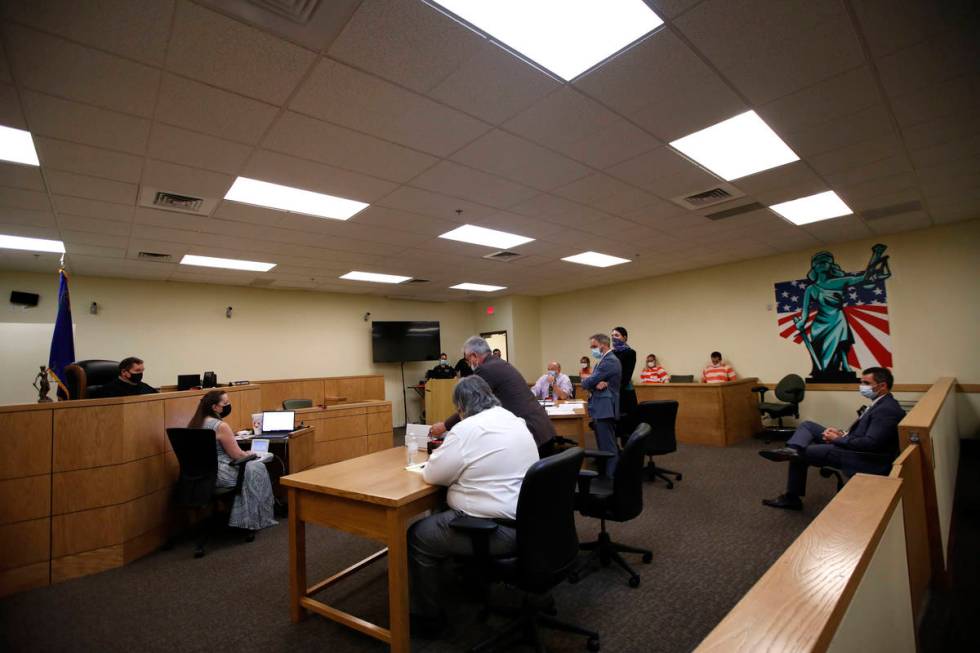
x=870 y=445
x=510 y=388
x=603 y=385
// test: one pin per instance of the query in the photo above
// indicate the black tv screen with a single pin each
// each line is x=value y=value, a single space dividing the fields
x=396 y=342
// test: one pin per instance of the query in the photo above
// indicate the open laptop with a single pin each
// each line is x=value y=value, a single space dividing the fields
x=278 y=423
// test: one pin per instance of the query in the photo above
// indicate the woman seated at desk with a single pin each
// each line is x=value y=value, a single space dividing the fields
x=253 y=507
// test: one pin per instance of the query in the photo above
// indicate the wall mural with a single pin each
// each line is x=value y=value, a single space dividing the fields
x=846 y=327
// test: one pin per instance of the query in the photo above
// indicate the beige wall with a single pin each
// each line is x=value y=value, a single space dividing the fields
x=182 y=328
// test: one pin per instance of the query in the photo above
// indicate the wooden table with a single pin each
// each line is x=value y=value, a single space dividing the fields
x=371 y=496
x=716 y=414
x=575 y=427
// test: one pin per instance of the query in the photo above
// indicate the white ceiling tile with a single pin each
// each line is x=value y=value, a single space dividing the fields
x=518 y=160
x=94 y=188
x=876 y=170
x=849 y=227
x=772 y=49
x=593 y=188
x=457 y=180
x=71 y=249
x=50 y=116
x=183 y=180
x=944 y=99
x=858 y=196
x=313 y=139
x=868 y=202
x=55 y=66
x=796 y=174
x=168 y=143
x=943 y=130
x=558 y=210
x=342 y=95
x=300 y=173
x=212 y=48
x=966 y=147
x=946 y=56
x=858 y=154
x=944 y=213
x=64 y=155
x=890 y=25
x=28 y=218
x=561 y=118
x=611 y=145
x=11 y=259
x=199 y=107
x=92 y=208
x=92 y=225
x=665 y=173
x=493 y=85
x=133 y=29
x=836 y=133
x=170 y=235
x=421 y=46
x=16 y=175
x=898 y=223
x=167 y=219
x=837 y=97
x=95 y=240
x=30 y=231
x=103 y=267
x=5 y=68
x=257 y=215
x=382 y=216
x=18 y=198
x=10 y=113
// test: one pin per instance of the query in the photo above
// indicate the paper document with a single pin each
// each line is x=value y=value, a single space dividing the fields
x=416 y=468
x=417 y=430
x=562 y=409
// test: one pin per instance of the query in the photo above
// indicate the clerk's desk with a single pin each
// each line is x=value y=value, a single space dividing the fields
x=715 y=414
x=574 y=426
x=294 y=453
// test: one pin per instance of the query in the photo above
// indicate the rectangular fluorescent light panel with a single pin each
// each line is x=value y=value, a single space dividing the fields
x=229 y=263
x=596 y=259
x=32 y=244
x=469 y=233
x=17 y=146
x=813 y=208
x=566 y=37
x=294 y=200
x=478 y=287
x=375 y=277
x=736 y=147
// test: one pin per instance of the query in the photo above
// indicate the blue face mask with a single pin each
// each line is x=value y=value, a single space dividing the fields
x=443 y=362
x=552 y=373
x=866 y=391
x=596 y=353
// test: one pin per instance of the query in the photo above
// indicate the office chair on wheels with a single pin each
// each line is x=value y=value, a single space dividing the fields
x=618 y=499
x=790 y=392
x=195 y=489
x=547 y=550
x=661 y=415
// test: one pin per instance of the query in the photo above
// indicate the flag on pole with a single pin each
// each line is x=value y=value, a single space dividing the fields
x=63 y=339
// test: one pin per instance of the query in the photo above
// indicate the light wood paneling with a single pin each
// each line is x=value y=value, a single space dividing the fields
x=25 y=498
x=146 y=514
x=103 y=486
x=179 y=411
x=340 y=428
x=439 y=399
x=379 y=442
x=338 y=450
x=89 y=562
x=86 y=530
x=87 y=437
x=24 y=543
x=716 y=414
x=24 y=578
x=144 y=544
x=273 y=393
x=142 y=435
x=908 y=467
x=741 y=410
x=379 y=422
x=26 y=440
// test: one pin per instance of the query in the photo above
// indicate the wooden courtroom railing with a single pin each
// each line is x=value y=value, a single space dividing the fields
x=323 y=391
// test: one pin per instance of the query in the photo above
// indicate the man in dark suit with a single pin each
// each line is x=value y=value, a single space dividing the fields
x=603 y=385
x=870 y=445
x=510 y=388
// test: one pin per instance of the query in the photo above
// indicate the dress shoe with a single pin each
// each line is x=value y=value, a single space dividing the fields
x=785 y=501
x=780 y=455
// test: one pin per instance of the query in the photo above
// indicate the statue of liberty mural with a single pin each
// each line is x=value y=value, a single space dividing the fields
x=830 y=338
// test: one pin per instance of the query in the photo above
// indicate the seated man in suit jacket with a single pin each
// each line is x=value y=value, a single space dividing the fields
x=603 y=385
x=870 y=445
x=510 y=388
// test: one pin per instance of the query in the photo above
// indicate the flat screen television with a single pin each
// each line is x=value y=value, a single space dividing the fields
x=397 y=342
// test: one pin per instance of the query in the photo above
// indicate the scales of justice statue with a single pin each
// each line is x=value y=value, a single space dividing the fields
x=42 y=385
x=829 y=338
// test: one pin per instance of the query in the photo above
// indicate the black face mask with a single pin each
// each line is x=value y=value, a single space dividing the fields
x=136 y=378
x=225 y=411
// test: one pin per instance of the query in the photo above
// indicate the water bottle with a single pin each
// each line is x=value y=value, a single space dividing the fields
x=412 y=446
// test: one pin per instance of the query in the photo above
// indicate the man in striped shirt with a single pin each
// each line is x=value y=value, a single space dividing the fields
x=653 y=373
x=717 y=372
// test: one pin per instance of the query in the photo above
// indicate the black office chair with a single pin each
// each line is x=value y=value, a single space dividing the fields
x=681 y=378
x=791 y=389
x=878 y=463
x=547 y=549
x=85 y=378
x=661 y=415
x=296 y=404
x=617 y=499
x=195 y=489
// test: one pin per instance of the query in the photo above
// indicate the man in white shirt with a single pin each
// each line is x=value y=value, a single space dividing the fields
x=482 y=461
x=553 y=384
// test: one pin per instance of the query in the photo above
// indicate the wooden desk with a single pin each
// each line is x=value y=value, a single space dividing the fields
x=371 y=496
x=348 y=430
x=575 y=427
x=716 y=414
x=296 y=453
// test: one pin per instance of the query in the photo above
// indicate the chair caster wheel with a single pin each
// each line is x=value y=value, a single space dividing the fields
x=634 y=581
x=670 y=486
x=250 y=536
x=680 y=477
x=647 y=558
x=592 y=644
x=199 y=552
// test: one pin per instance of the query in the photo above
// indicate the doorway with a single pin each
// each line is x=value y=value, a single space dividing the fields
x=497 y=340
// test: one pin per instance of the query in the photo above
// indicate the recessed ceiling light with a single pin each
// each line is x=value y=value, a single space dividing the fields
x=478 y=287
x=813 y=208
x=469 y=233
x=736 y=147
x=294 y=200
x=374 y=276
x=32 y=244
x=229 y=263
x=596 y=259
x=567 y=37
x=16 y=145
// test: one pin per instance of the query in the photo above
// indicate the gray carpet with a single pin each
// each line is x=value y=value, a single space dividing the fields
x=710 y=536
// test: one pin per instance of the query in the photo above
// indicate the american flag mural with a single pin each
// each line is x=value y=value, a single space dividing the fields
x=865 y=308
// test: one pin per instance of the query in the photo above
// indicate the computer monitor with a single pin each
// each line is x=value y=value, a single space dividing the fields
x=188 y=381
x=280 y=421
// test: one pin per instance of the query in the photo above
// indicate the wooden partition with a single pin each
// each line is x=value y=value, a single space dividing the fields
x=908 y=468
x=439 y=399
x=716 y=414
x=835 y=588
x=85 y=485
x=348 y=430
x=323 y=391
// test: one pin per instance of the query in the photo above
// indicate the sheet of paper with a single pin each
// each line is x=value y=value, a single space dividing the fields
x=417 y=429
x=416 y=468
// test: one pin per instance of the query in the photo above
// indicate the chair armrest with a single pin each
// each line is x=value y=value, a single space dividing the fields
x=479 y=531
x=242 y=461
x=761 y=389
x=600 y=457
x=585 y=477
x=565 y=441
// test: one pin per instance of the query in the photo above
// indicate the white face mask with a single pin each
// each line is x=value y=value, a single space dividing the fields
x=584 y=365
x=651 y=363
x=867 y=391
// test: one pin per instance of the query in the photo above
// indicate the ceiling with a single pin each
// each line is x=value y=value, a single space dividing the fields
x=394 y=104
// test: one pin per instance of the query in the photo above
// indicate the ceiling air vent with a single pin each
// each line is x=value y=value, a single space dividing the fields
x=708 y=197
x=155 y=256
x=503 y=256
x=155 y=198
x=893 y=209
x=732 y=212
x=298 y=11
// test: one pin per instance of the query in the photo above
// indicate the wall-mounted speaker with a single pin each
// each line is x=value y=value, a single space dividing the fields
x=24 y=298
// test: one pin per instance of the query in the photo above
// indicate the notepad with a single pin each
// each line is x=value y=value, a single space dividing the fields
x=416 y=468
